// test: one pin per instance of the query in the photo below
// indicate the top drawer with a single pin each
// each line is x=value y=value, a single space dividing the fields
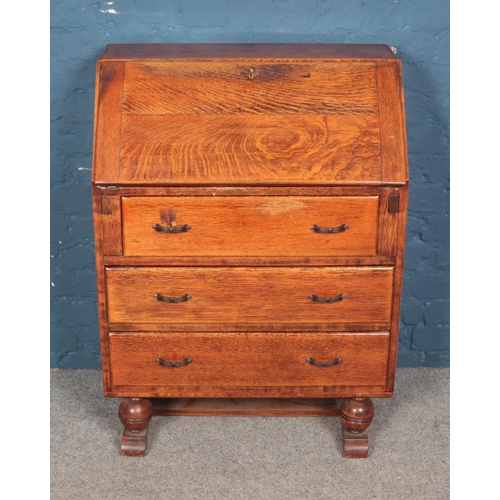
x=261 y=226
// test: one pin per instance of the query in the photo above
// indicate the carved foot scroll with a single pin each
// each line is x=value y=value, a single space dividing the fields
x=135 y=414
x=356 y=415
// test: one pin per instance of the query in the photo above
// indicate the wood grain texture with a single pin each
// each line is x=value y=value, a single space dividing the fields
x=187 y=88
x=250 y=226
x=107 y=130
x=234 y=149
x=182 y=261
x=244 y=407
x=221 y=191
x=398 y=285
x=215 y=51
x=387 y=228
x=247 y=327
x=101 y=288
x=111 y=225
x=249 y=295
x=222 y=391
x=392 y=122
x=251 y=359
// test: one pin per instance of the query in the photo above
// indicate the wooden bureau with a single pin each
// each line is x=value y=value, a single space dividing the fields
x=250 y=210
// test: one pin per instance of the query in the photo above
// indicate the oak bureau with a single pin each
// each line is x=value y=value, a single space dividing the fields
x=250 y=210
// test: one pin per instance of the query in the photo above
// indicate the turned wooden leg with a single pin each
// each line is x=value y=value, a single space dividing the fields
x=356 y=415
x=135 y=414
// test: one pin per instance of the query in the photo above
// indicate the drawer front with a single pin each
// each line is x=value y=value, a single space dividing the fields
x=273 y=226
x=248 y=359
x=249 y=295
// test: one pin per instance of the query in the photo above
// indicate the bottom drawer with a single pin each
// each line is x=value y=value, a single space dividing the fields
x=214 y=365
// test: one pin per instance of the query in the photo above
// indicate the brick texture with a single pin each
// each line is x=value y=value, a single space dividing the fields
x=419 y=29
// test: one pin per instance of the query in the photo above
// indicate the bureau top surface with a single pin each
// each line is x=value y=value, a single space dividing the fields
x=162 y=51
x=249 y=115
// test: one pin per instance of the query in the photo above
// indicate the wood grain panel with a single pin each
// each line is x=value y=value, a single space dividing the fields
x=247 y=327
x=101 y=289
x=187 y=88
x=250 y=226
x=221 y=261
x=398 y=284
x=264 y=407
x=252 y=359
x=392 y=123
x=298 y=391
x=249 y=295
x=304 y=190
x=108 y=122
x=388 y=227
x=250 y=149
x=112 y=225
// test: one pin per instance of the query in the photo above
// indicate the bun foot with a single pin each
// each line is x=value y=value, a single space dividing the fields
x=135 y=414
x=356 y=415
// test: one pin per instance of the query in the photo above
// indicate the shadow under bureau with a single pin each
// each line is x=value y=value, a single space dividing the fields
x=250 y=209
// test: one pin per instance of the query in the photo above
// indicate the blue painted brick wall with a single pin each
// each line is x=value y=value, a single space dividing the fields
x=419 y=29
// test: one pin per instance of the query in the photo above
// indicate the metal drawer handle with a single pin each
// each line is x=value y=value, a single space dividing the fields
x=312 y=361
x=184 y=298
x=163 y=229
x=174 y=364
x=315 y=298
x=340 y=229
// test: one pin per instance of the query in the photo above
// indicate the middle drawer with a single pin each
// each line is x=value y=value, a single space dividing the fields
x=197 y=295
